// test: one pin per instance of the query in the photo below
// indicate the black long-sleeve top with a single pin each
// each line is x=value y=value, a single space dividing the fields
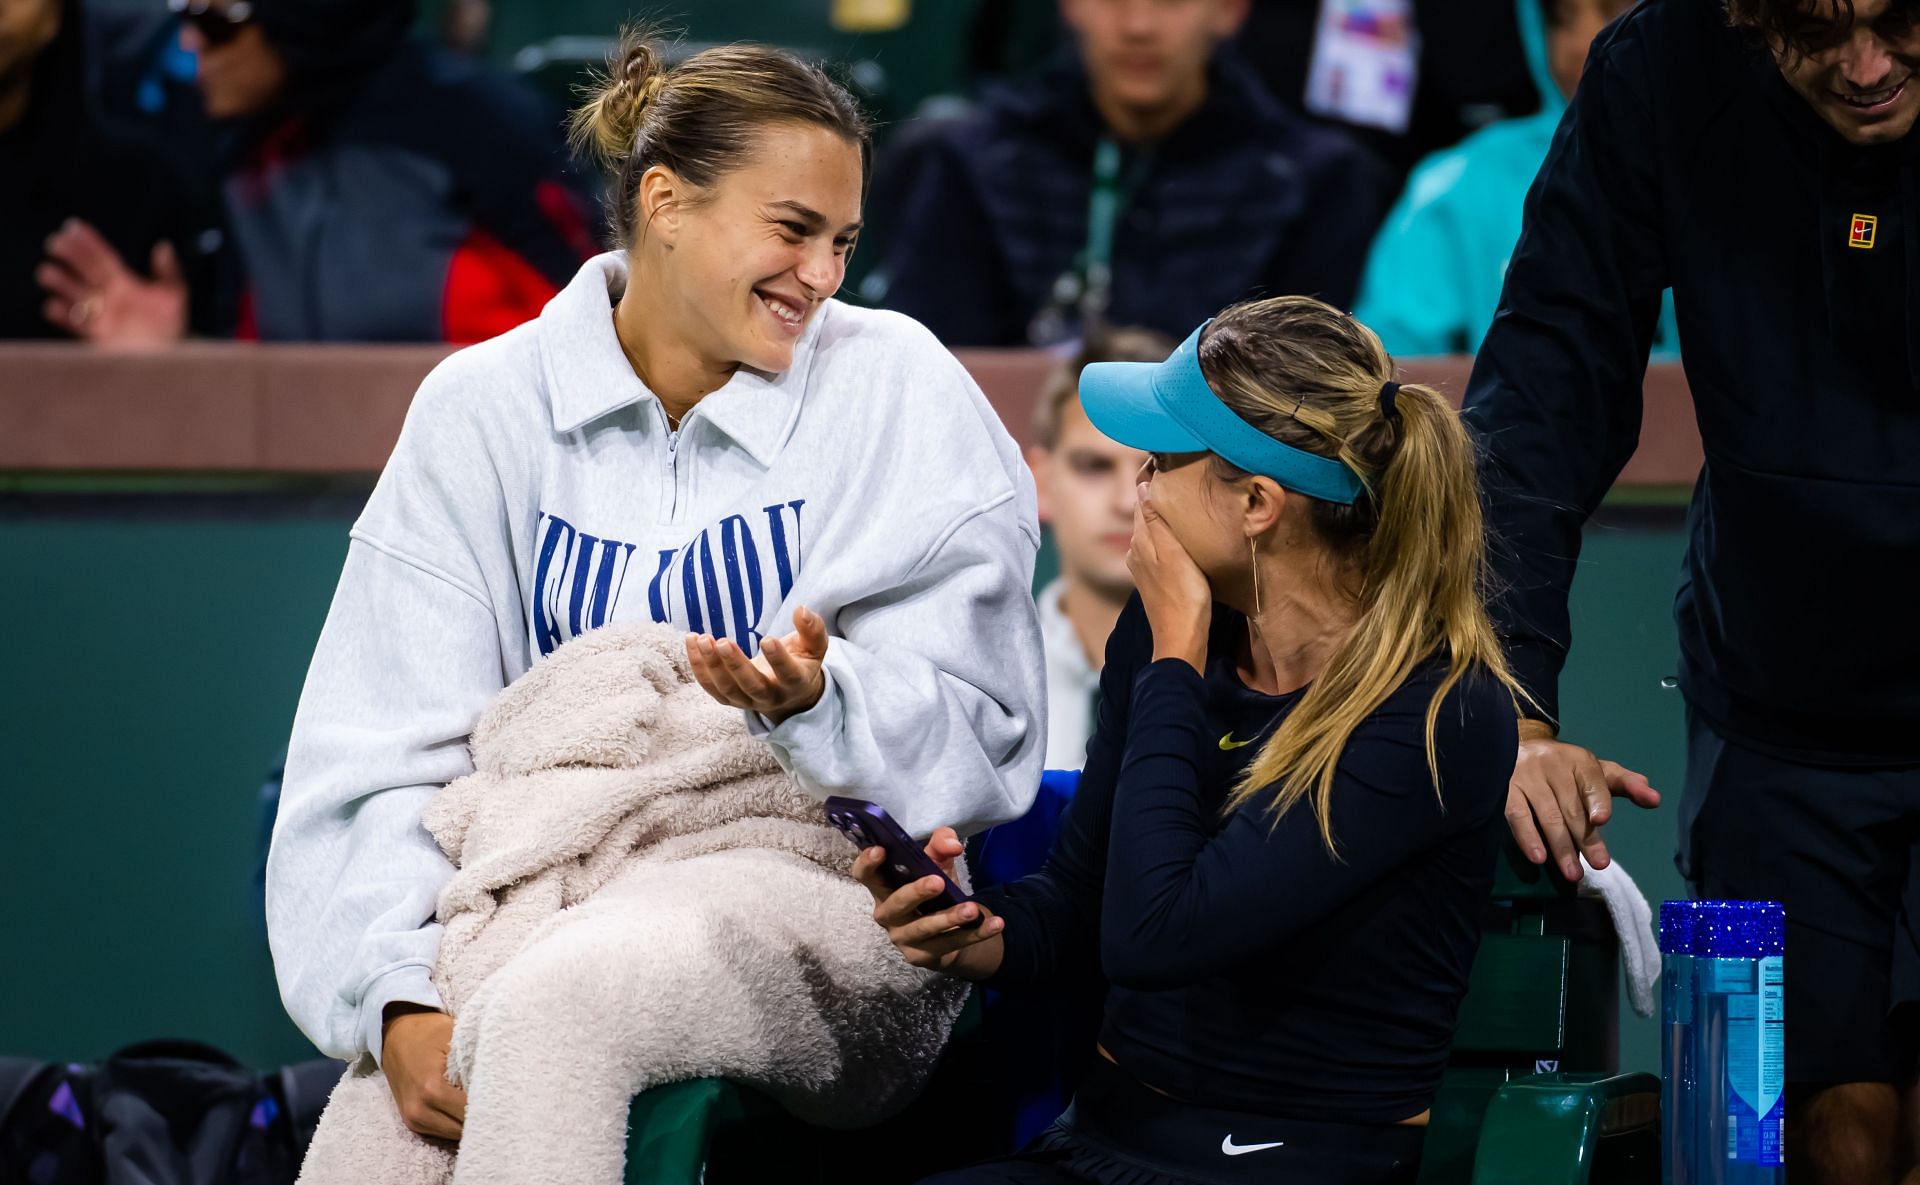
x=1247 y=967
x=1686 y=161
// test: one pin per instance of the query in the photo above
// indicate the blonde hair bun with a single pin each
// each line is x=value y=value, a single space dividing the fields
x=610 y=120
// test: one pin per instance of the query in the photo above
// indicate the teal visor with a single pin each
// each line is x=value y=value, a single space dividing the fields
x=1167 y=407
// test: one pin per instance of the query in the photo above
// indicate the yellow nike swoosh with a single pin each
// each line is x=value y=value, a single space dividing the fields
x=1228 y=744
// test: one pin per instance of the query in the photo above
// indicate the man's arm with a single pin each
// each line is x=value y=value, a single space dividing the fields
x=1556 y=399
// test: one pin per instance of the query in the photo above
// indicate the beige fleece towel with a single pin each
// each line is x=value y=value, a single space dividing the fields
x=642 y=896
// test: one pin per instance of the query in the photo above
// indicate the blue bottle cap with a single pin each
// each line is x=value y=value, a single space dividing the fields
x=1678 y=922
x=1741 y=930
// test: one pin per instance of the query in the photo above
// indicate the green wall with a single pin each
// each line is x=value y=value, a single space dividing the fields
x=156 y=657
x=157 y=653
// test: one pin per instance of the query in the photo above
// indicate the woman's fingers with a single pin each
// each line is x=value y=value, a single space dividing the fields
x=940 y=930
x=450 y=1100
x=445 y=1114
x=726 y=676
x=703 y=668
x=902 y=906
x=757 y=684
x=811 y=629
x=866 y=870
x=944 y=847
x=787 y=669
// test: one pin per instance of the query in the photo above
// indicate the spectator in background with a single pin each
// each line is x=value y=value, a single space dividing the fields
x=1434 y=276
x=1087 y=484
x=60 y=160
x=381 y=189
x=1147 y=180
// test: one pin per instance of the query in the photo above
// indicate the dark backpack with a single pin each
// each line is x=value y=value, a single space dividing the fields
x=158 y=1113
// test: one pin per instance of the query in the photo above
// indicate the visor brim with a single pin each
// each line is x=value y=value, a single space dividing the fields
x=1119 y=399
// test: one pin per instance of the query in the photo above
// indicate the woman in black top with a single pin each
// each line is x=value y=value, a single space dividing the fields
x=1290 y=811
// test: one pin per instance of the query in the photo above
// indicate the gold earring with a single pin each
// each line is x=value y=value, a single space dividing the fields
x=1253 y=548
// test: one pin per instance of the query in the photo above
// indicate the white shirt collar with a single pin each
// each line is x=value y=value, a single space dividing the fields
x=1065 y=655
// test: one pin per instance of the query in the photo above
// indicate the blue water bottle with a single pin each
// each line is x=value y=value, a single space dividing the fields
x=1677 y=1073
x=1739 y=1043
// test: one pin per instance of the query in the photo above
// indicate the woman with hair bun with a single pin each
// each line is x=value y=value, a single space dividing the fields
x=1291 y=807
x=693 y=431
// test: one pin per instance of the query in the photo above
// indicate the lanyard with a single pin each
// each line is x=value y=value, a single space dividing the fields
x=1087 y=284
x=1103 y=210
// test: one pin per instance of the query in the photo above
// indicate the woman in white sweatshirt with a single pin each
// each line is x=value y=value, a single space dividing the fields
x=693 y=432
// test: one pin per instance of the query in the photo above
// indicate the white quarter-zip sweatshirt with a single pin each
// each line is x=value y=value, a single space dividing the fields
x=536 y=493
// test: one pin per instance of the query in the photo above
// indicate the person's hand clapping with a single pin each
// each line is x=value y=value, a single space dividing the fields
x=1173 y=589
x=1564 y=793
x=940 y=941
x=783 y=680
x=93 y=294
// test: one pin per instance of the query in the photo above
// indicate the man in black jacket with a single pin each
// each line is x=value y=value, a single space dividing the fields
x=1149 y=179
x=1758 y=157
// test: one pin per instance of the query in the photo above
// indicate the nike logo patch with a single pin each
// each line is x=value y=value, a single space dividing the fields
x=1228 y=744
x=1232 y=1149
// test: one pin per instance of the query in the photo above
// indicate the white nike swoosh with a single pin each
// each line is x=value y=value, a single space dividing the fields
x=1232 y=1149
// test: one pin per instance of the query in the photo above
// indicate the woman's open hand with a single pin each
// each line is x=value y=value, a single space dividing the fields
x=1173 y=589
x=939 y=941
x=783 y=680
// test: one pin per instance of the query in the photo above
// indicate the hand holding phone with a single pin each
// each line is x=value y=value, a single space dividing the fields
x=927 y=917
x=868 y=825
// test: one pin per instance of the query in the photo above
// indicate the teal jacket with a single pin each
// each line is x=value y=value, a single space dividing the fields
x=1434 y=275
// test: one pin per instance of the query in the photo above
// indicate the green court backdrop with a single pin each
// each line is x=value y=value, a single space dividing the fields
x=157 y=649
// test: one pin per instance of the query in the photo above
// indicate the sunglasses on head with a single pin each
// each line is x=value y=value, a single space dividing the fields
x=218 y=24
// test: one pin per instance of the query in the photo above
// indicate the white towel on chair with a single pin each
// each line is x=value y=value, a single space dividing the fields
x=1633 y=922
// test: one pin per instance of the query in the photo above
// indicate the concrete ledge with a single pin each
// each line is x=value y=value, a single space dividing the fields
x=221 y=407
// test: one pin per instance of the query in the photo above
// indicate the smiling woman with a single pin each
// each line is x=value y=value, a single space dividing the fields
x=692 y=432
x=744 y=264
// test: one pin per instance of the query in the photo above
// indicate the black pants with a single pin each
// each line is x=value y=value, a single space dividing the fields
x=1837 y=847
x=1118 y=1132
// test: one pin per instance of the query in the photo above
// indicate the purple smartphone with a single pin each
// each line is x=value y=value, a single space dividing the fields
x=869 y=825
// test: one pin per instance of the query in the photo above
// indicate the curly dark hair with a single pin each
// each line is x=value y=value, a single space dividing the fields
x=1800 y=28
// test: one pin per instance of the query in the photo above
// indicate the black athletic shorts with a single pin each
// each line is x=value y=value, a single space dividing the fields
x=1119 y=1132
x=1838 y=847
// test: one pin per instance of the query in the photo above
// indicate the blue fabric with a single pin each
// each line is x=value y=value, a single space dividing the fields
x=1167 y=407
x=1434 y=275
x=1012 y=850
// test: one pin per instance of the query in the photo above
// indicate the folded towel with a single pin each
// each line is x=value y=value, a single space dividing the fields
x=641 y=896
x=1633 y=922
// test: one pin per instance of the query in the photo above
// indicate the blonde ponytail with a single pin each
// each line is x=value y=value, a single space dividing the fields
x=1314 y=377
